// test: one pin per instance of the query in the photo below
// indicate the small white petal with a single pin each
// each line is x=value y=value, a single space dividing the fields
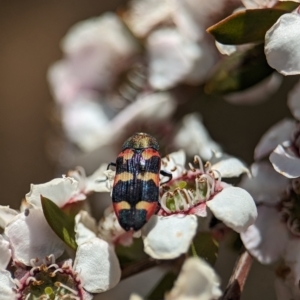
x=291 y=259
x=229 y=166
x=98 y=265
x=6 y=215
x=31 y=237
x=226 y=49
x=145 y=15
x=266 y=240
x=59 y=190
x=172 y=57
x=6 y=286
x=285 y=290
x=99 y=181
x=277 y=134
x=156 y=107
x=85 y=227
x=135 y=297
x=5 y=252
x=175 y=160
x=197 y=281
x=168 y=237
x=235 y=207
x=293 y=101
x=252 y=4
x=266 y=185
x=282 y=43
x=284 y=163
x=194 y=138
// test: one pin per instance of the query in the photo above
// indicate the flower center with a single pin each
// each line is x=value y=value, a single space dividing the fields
x=289 y=207
x=50 y=282
x=192 y=188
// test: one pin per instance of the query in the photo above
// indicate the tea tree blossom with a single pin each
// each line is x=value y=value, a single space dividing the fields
x=29 y=241
x=197 y=280
x=191 y=193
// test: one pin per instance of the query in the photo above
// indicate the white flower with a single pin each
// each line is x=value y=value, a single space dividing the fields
x=95 y=270
x=31 y=242
x=31 y=237
x=188 y=195
x=5 y=252
x=282 y=44
x=172 y=57
x=100 y=181
x=6 y=215
x=197 y=280
x=277 y=226
x=96 y=51
x=194 y=137
x=61 y=191
x=277 y=134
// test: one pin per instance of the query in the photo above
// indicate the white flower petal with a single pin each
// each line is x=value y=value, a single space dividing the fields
x=282 y=43
x=6 y=286
x=252 y=4
x=172 y=57
x=266 y=240
x=135 y=297
x=197 y=281
x=5 y=252
x=98 y=265
x=277 y=134
x=285 y=290
x=266 y=185
x=145 y=15
x=59 y=190
x=31 y=237
x=85 y=227
x=226 y=49
x=292 y=260
x=293 y=101
x=284 y=163
x=156 y=107
x=228 y=166
x=235 y=207
x=168 y=237
x=99 y=181
x=175 y=160
x=6 y=215
x=194 y=138
x=83 y=121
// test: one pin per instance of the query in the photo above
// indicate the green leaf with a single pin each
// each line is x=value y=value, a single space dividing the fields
x=162 y=287
x=239 y=71
x=206 y=247
x=249 y=26
x=61 y=223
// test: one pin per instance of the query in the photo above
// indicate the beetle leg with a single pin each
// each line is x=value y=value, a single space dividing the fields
x=167 y=174
x=111 y=164
x=108 y=166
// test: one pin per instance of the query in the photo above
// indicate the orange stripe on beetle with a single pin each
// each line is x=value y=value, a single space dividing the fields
x=148 y=153
x=125 y=176
x=121 y=205
x=149 y=176
x=150 y=207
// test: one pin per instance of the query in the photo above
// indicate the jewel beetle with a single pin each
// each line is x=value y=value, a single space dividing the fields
x=135 y=191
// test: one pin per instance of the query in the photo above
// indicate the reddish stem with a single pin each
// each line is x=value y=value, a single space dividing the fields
x=238 y=278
